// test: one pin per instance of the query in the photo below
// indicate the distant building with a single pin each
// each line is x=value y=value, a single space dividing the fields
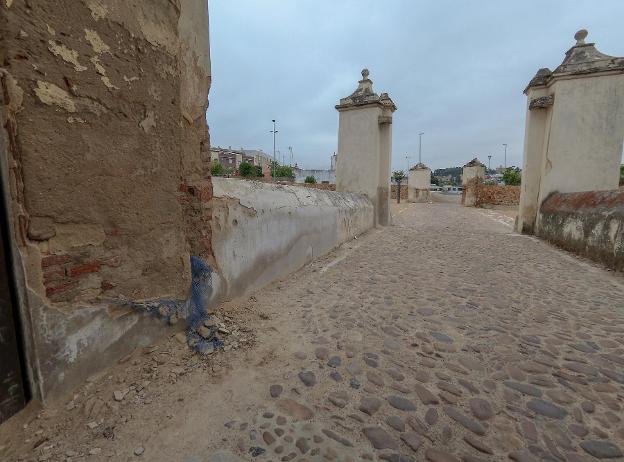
x=232 y=158
x=321 y=176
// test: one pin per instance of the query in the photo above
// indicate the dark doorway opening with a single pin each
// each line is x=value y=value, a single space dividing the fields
x=13 y=389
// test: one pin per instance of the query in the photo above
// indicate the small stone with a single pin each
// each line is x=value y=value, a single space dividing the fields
x=400 y=403
x=336 y=437
x=321 y=353
x=275 y=390
x=119 y=395
x=524 y=388
x=95 y=451
x=256 y=451
x=602 y=449
x=396 y=423
x=338 y=399
x=379 y=438
x=425 y=396
x=354 y=383
x=335 y=376
x=481 y=408
x=440 y=337
x=308 y=378
x=268 y=438
x=546 y=409
x=370 y=405
x=413 y=440
x=294 y=409
x=431 y=416
x=139 y=451
x=435 y=455
x=522 y=456
x=302 y=445
x=477 y=444
x=334 y=361
x=464 y=420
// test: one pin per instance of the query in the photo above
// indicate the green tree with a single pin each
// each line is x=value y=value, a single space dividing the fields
x=216 y=168
x=398 y=176
x=512 y=176
x=435 y=180
x=246 y=170
x=310 y=179
x=259 y=172
x=621 y=175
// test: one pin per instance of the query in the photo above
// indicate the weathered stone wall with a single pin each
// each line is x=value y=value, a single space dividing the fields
x=103 y=107
x=492 y=194
x=248 y=215
x=589 y=223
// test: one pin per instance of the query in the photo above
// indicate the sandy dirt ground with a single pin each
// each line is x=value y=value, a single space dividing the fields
x=445 y=337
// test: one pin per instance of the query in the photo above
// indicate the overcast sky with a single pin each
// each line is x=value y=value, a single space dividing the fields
x=455 y=69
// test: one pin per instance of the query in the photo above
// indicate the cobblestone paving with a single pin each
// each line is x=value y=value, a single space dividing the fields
x=448 y=338
x=445 y=338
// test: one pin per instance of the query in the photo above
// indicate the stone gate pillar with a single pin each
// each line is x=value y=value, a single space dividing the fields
x=419 y=183
x=472 y=178
x=365 y=146
x=574 y=128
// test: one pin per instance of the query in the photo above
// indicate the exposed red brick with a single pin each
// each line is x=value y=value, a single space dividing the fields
x=107 y=285
x=85 y=268
x=52 y=290
x=53 y=260
x=53 y=273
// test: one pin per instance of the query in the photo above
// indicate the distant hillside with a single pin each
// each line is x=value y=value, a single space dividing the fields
x=454 y=172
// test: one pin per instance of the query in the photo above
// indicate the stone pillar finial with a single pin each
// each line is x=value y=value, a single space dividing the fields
x=580 y=37
x=365 y=74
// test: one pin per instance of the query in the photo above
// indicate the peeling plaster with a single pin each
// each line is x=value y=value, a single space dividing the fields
x=98 y=10
x=68 y=55
x=52 y=95
x=149 y=122
x=96 y=42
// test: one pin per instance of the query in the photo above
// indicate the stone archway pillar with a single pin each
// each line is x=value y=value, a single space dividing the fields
x=574 y=128
x=419 y=183
x=472 y=178
x=365 y=146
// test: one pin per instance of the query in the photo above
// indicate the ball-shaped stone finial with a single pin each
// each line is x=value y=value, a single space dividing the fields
x=580 y=36
x=365 y=74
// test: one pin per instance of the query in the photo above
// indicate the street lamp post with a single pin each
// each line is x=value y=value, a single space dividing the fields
x=505 y=144
x=274 y=131
x=490 y=162
x=407 y=158
x=420 y=147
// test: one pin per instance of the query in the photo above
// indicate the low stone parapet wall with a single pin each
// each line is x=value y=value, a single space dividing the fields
x=589 y=223
x=493 y=194
x=321 y=186
x=262 y=232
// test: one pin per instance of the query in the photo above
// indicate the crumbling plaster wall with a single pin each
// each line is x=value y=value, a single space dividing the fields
x=107 y=150
x=589 y=223
x=262 y=232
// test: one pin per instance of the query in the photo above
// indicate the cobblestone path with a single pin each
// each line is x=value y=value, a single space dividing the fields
x=445 y=337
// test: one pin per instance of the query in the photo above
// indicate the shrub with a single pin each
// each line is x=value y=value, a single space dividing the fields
x=247 y=170
x=310 y=179
x=259 y=171
x=216 y=168
x=512 y=176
